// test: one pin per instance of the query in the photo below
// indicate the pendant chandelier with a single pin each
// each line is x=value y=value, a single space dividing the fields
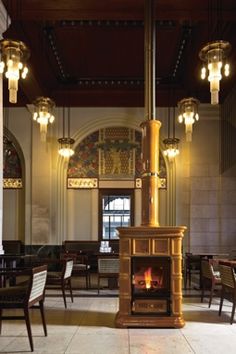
x=14 y=55
x=188 y=113
x=214 y=55
x=171 y=149
x=66 y=143
x=43 y=114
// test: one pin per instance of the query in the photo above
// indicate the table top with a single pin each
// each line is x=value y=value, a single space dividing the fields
x=209 y=254
x=225 y=261
x=16 y=256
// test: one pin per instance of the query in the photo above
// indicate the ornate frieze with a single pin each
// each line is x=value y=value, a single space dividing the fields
x=12 y=183
x=82 y=183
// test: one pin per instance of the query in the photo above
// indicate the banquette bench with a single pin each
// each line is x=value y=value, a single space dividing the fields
x=90 y=248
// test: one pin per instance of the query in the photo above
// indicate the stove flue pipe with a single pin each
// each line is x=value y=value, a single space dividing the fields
x=150 y=127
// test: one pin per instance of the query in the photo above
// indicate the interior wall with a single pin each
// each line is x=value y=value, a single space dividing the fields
x=13 y=220
x=205 y=200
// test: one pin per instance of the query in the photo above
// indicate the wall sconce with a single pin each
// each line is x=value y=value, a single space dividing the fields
x=14 y=56
x=214 y=54
x=188 y=113
x=65 y=149
x=43 y=114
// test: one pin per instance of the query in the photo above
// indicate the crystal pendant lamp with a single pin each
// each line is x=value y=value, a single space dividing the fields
x=43 y=114
x=14 y=56
x=214 y=55
x=188 y=113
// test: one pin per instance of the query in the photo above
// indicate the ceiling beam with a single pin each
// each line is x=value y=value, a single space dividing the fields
x=194 y=10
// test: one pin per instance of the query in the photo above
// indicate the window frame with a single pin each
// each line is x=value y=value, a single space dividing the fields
x=118 y=192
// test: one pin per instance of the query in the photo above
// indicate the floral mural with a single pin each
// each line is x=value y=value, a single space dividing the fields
x=84 y=162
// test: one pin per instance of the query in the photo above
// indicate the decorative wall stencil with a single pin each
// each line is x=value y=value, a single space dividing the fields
x=83 y=183
x=12 y=183
x=110 y=153
x=12 y=172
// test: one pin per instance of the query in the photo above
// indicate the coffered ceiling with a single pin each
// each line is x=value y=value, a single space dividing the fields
x=91 y=53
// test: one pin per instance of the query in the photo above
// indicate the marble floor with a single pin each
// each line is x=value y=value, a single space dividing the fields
x=87 y=327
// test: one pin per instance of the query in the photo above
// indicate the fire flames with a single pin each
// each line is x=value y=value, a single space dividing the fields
x=148 y=278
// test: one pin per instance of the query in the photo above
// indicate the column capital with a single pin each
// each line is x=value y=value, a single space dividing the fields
x=3 y=19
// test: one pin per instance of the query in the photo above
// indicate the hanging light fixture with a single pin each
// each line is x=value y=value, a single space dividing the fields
x=188 y=113
x=14 y=55
x=43 y=114
x=171 y=149
x=214 y=54
x=65 y=149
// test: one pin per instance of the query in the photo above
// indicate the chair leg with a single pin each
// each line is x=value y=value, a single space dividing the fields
x=233 y=312
x=221 y=302
x=203 y=291
x=98 y=284
x=63 y=293
x=27 y=321
x=43 y=317
x=211 y=295
x=89 y=280
x=0 y=321
x=71 y=295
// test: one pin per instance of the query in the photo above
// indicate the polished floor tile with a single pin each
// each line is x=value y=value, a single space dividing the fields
x=87 y=327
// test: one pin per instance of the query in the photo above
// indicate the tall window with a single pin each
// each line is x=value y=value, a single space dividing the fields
x=115 y=211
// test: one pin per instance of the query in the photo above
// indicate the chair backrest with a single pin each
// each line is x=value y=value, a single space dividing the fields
x=76 y=257
x=68 y=255
x=108 y=265
x=37 y=284
x=232 y=254
x=193 y=261
x=67 y=268
x=227 y=276
x=207 y=269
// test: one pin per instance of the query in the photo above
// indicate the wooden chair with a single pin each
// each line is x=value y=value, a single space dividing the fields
x=210 y=279
x=232 y=254
x=192 y=266
x=228 y=288
x=62 y=279
x=24 y=296
x=108 y=267
x=81 y=266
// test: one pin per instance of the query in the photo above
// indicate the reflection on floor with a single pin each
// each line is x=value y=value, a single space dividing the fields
x=87 y=327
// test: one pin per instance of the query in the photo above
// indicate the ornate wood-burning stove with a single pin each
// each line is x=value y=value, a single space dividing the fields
x=150 y=255
x=150 y=277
